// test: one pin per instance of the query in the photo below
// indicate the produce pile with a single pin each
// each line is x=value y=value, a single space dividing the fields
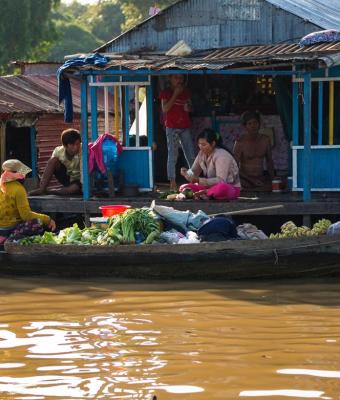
x=186 y=194
x=289 y=229
x=27 y=228
x=133 y=226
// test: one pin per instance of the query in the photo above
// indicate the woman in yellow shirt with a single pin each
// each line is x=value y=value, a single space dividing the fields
x=14 y=205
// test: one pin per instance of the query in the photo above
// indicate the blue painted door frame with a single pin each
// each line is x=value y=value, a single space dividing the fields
x=142 y=173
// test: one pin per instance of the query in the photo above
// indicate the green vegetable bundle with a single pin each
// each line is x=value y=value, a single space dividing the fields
x=123 y=227
x=121 y=230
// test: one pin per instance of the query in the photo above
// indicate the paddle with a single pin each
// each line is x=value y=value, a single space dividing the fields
x=248 y=210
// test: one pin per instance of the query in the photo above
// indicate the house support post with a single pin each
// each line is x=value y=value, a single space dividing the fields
x=33 y=152
x=320 y=113
x=84 y=139
x=307 y=151
x=127 y=115
x=331 y=114
x=94 y=110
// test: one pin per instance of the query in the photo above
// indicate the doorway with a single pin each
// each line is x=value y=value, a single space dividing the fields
x=18 y=144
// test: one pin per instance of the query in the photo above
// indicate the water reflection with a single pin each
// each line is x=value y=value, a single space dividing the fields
x=311 y=372
x=100 y=340
x=310 y=394
x=117 y=343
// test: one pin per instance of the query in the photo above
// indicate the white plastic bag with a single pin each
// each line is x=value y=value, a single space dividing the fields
x=191 y=237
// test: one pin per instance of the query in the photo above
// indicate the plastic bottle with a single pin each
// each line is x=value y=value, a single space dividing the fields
x=277 y=185
x=110 y=156
x=139 y=237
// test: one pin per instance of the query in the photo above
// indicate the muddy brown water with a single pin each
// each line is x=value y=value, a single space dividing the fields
x=103 y=339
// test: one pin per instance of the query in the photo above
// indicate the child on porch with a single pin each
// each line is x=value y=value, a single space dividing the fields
x=176 y=105
x=65 y=165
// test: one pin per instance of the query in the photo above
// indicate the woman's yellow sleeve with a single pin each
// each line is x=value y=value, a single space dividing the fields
x=26 y=214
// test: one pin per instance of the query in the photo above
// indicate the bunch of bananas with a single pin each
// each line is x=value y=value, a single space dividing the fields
x=289 y=229
x=321 y=227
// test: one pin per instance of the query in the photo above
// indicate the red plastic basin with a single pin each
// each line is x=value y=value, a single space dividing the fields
x=109 y=211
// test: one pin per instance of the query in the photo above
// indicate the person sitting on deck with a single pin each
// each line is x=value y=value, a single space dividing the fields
x=14 y=206
x=250 y=152
x=220 y=172
x=65 y=165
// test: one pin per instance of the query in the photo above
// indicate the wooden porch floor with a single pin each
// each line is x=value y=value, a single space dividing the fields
x=321 y=203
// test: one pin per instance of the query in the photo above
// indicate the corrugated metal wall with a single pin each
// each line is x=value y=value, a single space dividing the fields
x=215 y=23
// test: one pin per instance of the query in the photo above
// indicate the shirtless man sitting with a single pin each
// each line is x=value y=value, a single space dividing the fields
x=250 y=152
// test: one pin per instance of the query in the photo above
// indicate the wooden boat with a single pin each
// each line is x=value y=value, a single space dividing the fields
x=229 y=260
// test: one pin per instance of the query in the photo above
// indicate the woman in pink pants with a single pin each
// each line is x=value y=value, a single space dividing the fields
x=214 y=173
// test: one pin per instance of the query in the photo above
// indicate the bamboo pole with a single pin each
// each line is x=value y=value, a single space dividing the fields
x=116 y=112
x=106 y=109
x=248 y=210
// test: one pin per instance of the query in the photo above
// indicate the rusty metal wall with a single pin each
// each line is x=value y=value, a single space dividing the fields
x=207 y=24
x=48 y=130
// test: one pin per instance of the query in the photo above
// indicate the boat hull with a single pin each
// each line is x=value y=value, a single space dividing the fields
x=230 y=260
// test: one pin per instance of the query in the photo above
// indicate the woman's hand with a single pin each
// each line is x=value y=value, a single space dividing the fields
x=189 y=177
x=201 y=195
x=178 y=90
x=188 y=106
x=52 y=225
x=184 y=172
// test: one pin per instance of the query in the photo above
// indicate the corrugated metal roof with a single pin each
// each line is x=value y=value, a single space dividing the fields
x=37 y=94
x=222 y=58
x=324 y=13
x=33 y=94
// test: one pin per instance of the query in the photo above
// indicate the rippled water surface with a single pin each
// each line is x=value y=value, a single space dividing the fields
x=131 y=340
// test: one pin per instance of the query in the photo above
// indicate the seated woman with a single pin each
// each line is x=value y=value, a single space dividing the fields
x=14 y=206
x=220 y=178
x=250 y=152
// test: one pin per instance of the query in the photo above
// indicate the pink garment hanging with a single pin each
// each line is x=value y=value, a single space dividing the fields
x=96 y=158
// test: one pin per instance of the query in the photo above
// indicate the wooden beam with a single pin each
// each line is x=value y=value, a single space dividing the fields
x=291 y=207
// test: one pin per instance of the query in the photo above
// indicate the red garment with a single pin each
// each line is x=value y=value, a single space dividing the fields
x=177 y=117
